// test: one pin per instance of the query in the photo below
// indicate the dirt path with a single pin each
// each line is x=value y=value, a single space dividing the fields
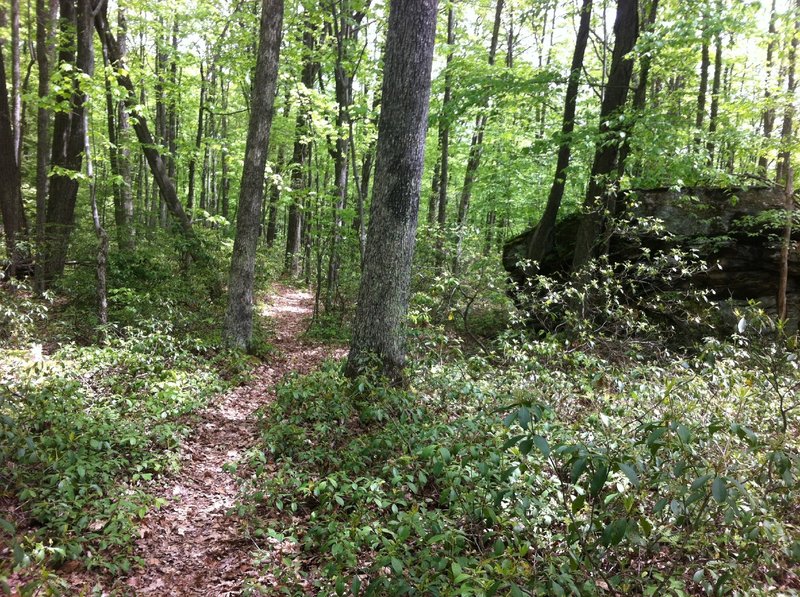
x=190 y=546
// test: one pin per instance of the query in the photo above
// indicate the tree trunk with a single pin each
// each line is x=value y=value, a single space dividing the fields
x=10 y=196
x=705 y=63
x=601 y=192
x=475 y=149
x=119 y=157
x=715 y=91
x=68 y=137
x=640 y=94
x=444 y=142
x=768 y=117
x=301 y=154
x=16 y=84
x=198 y=142
x=102 y=237
x=785 y=155
x=542 y=239
x=346 y=25
x=783 y=278
x=238 y=328
x=157 y=166
x=46 y=11
x=383 y=295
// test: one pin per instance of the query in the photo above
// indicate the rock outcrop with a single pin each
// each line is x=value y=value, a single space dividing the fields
x=737 y=232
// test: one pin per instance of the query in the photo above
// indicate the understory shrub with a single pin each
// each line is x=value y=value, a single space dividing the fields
x=540 y=467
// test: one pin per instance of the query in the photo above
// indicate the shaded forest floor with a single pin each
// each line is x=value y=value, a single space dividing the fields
x=192 y=544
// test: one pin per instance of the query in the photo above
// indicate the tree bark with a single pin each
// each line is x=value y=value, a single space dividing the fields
x=46 y=11
x=542 y=239
x=601 y=191
x=238 y=328
x=10 y=196
x=705 y=64
x=383 y=296
x=68 y=137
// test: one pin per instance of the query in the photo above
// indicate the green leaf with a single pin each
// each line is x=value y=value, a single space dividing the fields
x=542 y=445
x=719 y=489
x=524 y=417
x=7 y=526
x=499 y=547
x=397 y=565
x=598 y=478
x=630 y=472
x=614 y=532
x=577 y=469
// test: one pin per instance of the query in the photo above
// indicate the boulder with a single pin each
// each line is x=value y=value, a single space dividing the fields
x=736 y=231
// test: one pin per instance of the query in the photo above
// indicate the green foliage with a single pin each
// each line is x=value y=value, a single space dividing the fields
x=85 y=428
x=544 y=468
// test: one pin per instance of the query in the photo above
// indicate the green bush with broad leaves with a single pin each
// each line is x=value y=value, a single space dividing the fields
x=540 y=464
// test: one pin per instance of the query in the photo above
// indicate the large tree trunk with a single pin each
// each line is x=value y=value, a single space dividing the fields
x=238 y=328
x=10 y=196
x=46 y=11
x=601 y=192
x=383 y=296
x=542 y=239
x=68 y=137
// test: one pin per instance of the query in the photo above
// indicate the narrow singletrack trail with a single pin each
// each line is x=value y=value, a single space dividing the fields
x=191 y=546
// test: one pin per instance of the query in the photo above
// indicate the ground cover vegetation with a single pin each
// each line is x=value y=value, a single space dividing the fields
x=616 y=428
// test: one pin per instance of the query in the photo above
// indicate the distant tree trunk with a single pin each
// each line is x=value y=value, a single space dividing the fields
x=345 y=27
x=640 y=94
x=238 y=328
x=444 y=141
x=383 y=295
x=768 y=116
x=783 y=278
x=785 y=155
x=16 y=80
x=68 y=136
x=102 y=238
x=10 y=197
x=715 y=91
x=600 y=194
x=542 y=239
x=274 y=196
x=46 y=11
x=475 y=148
x=198 y=141
x=433 y=198
x=301 y=154
x=705 y=63
x=119 y=157
x=154 y=160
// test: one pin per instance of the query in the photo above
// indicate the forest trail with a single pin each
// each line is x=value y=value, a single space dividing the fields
x=190 y=546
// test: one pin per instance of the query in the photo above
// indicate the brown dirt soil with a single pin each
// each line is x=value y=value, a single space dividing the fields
x=191 y=545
